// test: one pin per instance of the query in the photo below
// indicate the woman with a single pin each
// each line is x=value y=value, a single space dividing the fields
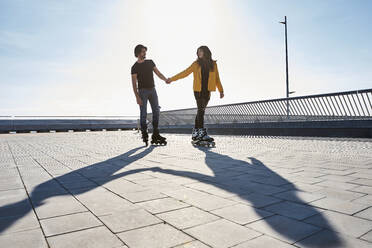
x=206 y=79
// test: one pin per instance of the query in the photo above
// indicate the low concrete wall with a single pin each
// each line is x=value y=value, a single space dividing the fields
x=347 y=128
x=62 y=125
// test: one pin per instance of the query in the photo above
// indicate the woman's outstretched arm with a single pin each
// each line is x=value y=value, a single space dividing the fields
x=184 y=73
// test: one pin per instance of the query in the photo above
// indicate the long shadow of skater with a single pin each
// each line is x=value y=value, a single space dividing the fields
x=249 y=188
x=39 y=194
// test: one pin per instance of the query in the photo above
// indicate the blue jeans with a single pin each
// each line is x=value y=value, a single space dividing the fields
x=152 y=97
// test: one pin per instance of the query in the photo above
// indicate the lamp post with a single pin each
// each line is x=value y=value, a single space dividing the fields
x=286 y=63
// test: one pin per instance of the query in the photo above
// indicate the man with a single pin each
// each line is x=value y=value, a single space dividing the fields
x=142 y=73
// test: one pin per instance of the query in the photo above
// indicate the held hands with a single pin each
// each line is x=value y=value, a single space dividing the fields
x=168 y=81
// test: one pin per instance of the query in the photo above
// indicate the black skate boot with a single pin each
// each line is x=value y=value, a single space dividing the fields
x=204 y=135
x=195 y=134
x=145 y=136
x=157 y=139
x=204 y=139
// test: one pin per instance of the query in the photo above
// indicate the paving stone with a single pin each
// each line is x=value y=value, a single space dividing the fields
x=363 y=189
x=127 y=220
x=222 y=233
x=214 y=190
x=201 y=200
x=30 y=239
x=12 y=196
x=156 y=236
x=210 y=202
x=121 y=186
x=11 y=183
x=256 y=200
x=367 y=237
x=283 y=228
x=18 y=223
x=307 y=173
x=339 y=173
x=44 y=193
x=70 y=177
x=363 y=181
x=299 y=196
x=264 y=241
x=338 y=178
x=69 y=223
x=304 y=187
x=150 y=182
x=15 y=209
x=99 y=237
x=39 y=186
x=329 y=239
x=304 y=179
x=366 y=214
x=182 y=180
x=80 y=184
x=337 y=185
x=101 y=202
x=167 y=187
x=57 y=206
x=186 y=194
x=293 y=210
x=342 y=223
x=241 y=214
x=366 y=200
x=141 y=196
x=187 y=217
x=262 y=188
x=339 y=194
x=361 y=173
x=345 y=207
x=137 y=176
x=162 y=205
x=275 y=181
x=193 y=244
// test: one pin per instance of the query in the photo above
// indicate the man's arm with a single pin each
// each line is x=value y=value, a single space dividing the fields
x=135 y=90
x=158 y=73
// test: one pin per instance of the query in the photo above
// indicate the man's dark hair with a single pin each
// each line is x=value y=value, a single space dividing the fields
x=138 y=49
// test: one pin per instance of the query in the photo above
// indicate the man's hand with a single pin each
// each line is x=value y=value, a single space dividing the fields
x=168 y=81
x=139 y=101
x=222 y=94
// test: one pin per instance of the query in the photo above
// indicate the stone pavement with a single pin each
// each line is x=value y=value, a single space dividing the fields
x=105 y=189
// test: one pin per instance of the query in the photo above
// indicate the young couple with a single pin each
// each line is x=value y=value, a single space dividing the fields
x=206 y=79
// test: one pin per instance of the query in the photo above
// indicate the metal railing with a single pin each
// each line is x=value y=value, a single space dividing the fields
x=350 y=105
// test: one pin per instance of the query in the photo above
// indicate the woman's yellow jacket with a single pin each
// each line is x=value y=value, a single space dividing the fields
x=213 y=80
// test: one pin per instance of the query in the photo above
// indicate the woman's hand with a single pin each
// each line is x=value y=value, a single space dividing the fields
x=139 y=101
x=222 y=94
x=168 y=81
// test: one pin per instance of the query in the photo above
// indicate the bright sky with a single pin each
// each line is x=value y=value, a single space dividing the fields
x=74 y=57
